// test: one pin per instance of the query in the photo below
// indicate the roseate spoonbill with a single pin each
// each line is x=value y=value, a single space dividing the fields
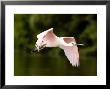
x=68 y=44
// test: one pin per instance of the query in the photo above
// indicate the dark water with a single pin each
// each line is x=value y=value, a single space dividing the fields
x=52 y=63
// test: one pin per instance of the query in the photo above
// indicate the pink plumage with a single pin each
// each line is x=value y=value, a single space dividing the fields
x=68 y=44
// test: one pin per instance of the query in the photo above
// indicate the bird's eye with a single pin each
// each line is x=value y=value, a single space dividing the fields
x=42 y=41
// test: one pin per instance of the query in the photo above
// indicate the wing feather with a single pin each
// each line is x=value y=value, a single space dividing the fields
x=47 y=37
x=71 y=52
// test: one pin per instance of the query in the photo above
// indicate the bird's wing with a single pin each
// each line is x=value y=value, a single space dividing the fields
x=71 y=51
x=44 y=33
x=48 y=37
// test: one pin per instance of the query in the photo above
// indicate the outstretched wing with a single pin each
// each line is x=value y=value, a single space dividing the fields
x=71 y=51
x=50 y=38
x=42 y=34
x=47 y=37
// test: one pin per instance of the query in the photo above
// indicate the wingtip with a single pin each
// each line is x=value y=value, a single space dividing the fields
x=75 y=64
x=44 y=32
x=50 y=29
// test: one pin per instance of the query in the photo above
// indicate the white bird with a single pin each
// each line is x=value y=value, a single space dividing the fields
x=68 y=44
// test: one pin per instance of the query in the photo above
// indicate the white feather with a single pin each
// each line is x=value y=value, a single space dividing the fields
x=65 y=43
x=71 y=51
x=44 y=33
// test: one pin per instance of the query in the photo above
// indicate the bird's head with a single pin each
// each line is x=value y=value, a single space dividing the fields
x=39 y=47
x=40 y=44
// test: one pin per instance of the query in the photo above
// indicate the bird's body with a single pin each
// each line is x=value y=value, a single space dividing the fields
x=68 y=44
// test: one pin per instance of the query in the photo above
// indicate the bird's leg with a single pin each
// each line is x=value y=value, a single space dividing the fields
x=75 y=44
x=81 y=44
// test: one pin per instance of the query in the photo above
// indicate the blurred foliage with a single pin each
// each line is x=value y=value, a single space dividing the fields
x=52 y=61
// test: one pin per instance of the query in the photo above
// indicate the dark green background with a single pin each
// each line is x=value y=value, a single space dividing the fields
x=52 y=61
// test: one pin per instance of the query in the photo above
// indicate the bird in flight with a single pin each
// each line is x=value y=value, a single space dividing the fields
x=68 y=44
